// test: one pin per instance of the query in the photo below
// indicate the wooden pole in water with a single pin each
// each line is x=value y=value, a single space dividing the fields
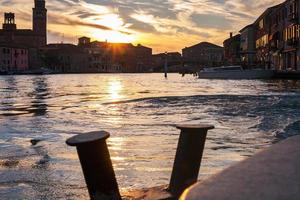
x=96 y=165
x=166 y=65
x=188 y=157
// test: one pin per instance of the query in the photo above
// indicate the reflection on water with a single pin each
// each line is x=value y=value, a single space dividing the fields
x=139 y=111
x=40 y=94
x=114 y=89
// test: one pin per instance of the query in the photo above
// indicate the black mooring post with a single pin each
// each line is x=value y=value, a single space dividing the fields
x=96 y=165
x=188 y=157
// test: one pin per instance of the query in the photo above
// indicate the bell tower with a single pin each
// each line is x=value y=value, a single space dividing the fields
x=40 y=21
x=9 y=22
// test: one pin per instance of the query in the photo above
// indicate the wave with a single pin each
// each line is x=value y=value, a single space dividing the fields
x=290 y=130
x=193 y=97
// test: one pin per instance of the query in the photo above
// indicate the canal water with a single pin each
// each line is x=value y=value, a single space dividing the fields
x=139 y=110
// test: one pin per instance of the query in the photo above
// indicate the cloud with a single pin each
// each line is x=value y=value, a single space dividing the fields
x=165 y=25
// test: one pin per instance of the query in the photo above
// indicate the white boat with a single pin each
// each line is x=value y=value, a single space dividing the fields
x=234 y=72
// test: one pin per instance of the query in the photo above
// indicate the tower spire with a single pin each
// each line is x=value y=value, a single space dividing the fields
x=40 y=21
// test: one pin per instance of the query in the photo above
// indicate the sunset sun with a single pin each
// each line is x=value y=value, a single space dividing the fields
x=113 y=36
x=118 y=32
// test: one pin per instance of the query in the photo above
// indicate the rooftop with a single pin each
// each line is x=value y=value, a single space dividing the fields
x=204 y=45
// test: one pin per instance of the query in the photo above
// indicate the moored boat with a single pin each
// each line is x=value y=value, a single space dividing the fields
x=234 y=72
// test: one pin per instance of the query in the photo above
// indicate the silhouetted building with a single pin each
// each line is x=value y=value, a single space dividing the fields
x=203 y=54
x=84 y=42
x=277 y=36
x=262 y=27
x=247 y=46
x=232 y=49
x=31 y=39
x=25 y=37
x=99 y=56
x=291 y=36
x=173 y=59
x=65 y=58
x=143 y=58
x=118 y=57
x=14 y=59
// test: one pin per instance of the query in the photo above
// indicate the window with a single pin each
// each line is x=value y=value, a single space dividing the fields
x=292 y=32
x=261 y=24
x=263 y=41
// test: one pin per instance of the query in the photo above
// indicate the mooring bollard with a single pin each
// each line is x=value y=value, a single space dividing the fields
x=96 y=165
x=188 y=157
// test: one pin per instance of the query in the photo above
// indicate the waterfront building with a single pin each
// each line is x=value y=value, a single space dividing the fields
x=247 y=46
x=143 y=58
x=278 y=46
x=291 y=35
x=119 y=57
x=35 y=38
x=31 y=39
x=203 y=54
x=276 y=35
x=261 y=26
x=277 y=18
x=173 y=59
x=99 y=56
x=96 y=57
x=232 y=49
x=65 y=58
x=13 y=59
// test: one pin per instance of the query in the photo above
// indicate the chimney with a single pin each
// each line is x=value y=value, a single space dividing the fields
x=231 y=34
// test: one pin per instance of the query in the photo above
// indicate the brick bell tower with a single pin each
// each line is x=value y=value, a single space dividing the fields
x=40 y=21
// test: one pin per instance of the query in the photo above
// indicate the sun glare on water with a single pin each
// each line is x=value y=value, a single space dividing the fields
x=114 y=89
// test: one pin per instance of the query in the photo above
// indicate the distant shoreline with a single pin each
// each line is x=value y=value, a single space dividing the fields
x=289 y=75
x=20 y=74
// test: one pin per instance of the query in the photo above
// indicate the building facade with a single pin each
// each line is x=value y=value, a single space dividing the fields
x=35 y=38
x=262 y=46
x=203 y=54
x=13 y=59
x=143 y=58
x=272 y=41
x=232 y=49
x=173 y=58
x=99 y=56
x=118 y=57
x=27 y=38
x=96 y=57
x=291 y=35
x=247 y=46
x=283 y=36
x=64 y=58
